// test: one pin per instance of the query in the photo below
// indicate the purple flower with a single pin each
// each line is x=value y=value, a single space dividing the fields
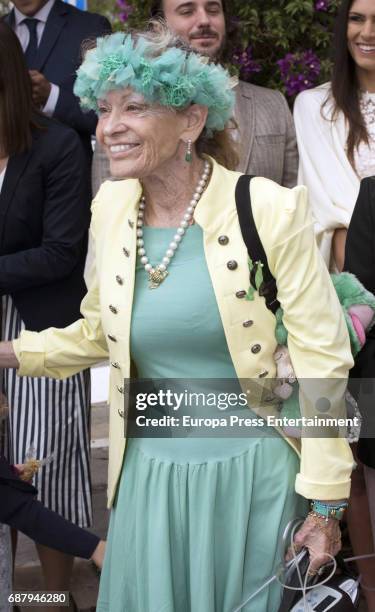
x=299 y=71
x=243 y=59
x=321 y=5
x=125 y=10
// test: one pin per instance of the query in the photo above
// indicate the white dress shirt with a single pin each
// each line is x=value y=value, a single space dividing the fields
x=2 y=177
x=23 y=34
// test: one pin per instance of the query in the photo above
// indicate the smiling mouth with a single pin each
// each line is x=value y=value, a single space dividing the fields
x=366 y=48
x=122 y=148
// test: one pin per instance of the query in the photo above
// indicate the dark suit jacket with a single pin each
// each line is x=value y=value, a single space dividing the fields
x=360 y=260
x=44 y=220
x=20 y=509
x=60 y=54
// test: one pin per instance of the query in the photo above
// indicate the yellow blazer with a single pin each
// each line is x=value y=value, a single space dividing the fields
x=318 y=339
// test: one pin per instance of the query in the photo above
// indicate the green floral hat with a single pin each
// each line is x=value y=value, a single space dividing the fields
x=175 y=78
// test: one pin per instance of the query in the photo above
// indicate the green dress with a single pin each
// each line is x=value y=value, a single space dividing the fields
x=197 y=522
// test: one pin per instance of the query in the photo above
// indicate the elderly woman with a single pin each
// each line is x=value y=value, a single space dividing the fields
x=196 y=523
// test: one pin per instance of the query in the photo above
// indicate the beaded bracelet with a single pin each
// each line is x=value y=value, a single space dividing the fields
x=326 y=510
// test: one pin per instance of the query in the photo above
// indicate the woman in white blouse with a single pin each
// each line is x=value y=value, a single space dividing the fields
x=335 y=126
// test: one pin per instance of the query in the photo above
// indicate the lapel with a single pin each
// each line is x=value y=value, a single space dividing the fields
x=116 y=253
x=245 y=117
x=55 y=23
x=216 y=213
x=13 y=173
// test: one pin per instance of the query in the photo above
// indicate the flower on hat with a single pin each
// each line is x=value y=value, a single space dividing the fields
x=175 y=78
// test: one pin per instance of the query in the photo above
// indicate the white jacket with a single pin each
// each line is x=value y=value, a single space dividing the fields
x=324 y=168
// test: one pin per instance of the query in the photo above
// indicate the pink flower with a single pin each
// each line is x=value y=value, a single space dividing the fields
x=125 y=10
x=322 y=5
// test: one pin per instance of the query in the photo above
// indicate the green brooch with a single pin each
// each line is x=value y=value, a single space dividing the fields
x=256 y=278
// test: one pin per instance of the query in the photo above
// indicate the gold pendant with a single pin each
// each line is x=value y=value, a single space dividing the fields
x=156 y=278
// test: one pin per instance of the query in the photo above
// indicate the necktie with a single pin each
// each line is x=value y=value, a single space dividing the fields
x=32 y=48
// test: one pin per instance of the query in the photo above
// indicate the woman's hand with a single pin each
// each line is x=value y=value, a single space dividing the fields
x=319 y=536
x=26 y=471
x=98 y=554
x=8 y=357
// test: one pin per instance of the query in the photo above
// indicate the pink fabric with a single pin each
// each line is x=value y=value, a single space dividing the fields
x=359 y=329
x=364 y=313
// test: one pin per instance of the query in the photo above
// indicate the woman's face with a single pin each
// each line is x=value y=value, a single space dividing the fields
x=361 y=34
x=137 y=137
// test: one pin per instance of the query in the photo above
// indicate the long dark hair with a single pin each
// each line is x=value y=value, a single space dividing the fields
x=17 y=112
x=345 y=85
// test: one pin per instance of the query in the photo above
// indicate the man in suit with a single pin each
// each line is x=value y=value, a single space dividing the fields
x=51 y=34
x=266 y=134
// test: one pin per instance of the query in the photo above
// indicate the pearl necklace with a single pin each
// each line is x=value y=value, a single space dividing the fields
x=159 y=273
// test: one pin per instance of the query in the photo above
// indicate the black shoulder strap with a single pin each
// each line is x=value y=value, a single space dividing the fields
x=253 y=243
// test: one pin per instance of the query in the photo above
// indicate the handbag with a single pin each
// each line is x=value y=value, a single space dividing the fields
x=338 y=594
x=321 y=593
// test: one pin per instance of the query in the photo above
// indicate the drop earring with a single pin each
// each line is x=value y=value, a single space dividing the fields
x=188 y=155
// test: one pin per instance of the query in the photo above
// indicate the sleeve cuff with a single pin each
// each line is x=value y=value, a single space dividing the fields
x=326 y=491
x=29 y=350
x=50 y=105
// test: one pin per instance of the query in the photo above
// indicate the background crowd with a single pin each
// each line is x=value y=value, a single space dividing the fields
x=49 y=173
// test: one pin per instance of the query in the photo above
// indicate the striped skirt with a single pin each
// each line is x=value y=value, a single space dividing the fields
x=50 y=420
